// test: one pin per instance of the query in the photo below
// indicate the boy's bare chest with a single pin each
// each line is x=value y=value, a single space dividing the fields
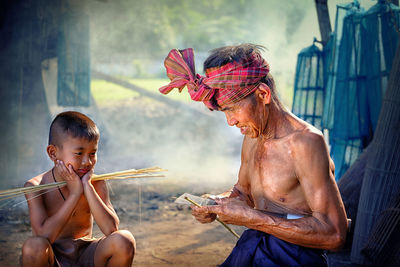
x=54 y=201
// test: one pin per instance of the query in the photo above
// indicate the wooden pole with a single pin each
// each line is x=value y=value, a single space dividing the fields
x=25 y=116
x=323 y=19
x=156 y=95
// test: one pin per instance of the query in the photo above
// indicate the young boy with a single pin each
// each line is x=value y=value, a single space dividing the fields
x=62 y=218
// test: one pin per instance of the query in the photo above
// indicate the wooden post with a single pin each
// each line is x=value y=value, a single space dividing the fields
x=323 y=19
x=23 y=107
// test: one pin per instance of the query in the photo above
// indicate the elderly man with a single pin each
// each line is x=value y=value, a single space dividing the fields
x=286 y=192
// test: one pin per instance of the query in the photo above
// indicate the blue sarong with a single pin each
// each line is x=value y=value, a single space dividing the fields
x=255 y=248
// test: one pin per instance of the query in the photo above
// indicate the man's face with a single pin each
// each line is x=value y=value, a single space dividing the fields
x=79 y=152
x=244 y=115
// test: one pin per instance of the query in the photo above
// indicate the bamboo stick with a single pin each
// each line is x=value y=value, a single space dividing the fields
x=221 y=222
x=127 y=174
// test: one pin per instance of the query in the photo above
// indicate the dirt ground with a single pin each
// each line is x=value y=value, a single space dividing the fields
x=166 y=233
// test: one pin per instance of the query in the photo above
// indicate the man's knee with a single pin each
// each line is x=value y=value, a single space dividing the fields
x=36 y=247
x=123 y=242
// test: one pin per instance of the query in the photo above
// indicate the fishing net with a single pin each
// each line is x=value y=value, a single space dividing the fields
x=356 y=64
x=309 y=86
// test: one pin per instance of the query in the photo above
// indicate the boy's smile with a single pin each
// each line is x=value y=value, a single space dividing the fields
x=79 y=152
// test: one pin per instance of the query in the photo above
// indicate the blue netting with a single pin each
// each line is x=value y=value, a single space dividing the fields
x=340 y=106
x=331 y=52
x=381 y=35
x=349 y=97
x=365 y=57
x=357 y=63
x=309 y=85
x=73 y=86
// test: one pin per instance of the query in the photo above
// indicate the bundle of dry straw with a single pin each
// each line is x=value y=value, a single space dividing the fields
x=127 y=174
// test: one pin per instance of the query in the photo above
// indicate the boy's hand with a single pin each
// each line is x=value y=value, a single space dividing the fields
x=74 y=183
x=86 y=178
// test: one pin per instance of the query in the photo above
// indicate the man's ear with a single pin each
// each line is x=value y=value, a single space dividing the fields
x=264 y=92
x=52 y=152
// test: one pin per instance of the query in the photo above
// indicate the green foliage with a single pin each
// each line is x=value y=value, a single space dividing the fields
x=108 y=93
x=152 y=85
x=149 y=28
x=136 y=35
x=104 y=92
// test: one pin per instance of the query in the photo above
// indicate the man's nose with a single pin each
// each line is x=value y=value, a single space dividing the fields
x=231 y=120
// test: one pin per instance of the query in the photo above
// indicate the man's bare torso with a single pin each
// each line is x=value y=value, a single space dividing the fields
x=268 y=173
x=80 y=224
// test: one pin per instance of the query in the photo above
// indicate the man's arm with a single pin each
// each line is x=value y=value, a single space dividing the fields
x=236 y=191
x=100 y=206
x=326 y=227
x=328 y=221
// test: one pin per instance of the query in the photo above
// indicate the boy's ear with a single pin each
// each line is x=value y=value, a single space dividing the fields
x=52 y=152
x=264 y=92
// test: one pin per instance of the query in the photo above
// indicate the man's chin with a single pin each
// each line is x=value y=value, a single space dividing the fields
x=253 y=136
x=248 y=132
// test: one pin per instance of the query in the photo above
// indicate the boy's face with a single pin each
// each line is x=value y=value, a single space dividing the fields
x=79 y=152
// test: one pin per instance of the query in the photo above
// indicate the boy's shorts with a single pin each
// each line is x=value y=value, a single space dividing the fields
x=75 y=252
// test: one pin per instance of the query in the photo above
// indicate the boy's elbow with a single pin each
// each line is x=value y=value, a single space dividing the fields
x=112 y=228
x=110 y=231
x=44 y=234
x=115 y=226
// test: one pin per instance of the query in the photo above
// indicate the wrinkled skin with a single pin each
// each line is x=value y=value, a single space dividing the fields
x=285 y=168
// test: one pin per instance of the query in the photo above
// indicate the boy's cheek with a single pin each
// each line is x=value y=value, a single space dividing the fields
x=68 y=163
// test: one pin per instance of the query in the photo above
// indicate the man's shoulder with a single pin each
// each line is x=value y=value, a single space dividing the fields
x=307 y=140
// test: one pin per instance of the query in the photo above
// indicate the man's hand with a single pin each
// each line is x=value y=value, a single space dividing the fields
x=74 y=183
x=202 y=215
x=229 y=210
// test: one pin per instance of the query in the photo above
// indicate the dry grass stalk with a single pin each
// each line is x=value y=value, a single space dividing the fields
x=127 y=174
x=221 y=222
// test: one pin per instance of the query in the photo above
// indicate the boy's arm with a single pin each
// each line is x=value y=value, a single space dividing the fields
x=42 y=225
x=100 y=206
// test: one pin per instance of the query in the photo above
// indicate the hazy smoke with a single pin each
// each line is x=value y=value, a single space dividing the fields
x=194 y=147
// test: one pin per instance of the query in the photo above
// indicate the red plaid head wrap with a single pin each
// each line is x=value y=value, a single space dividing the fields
x=223 y=85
